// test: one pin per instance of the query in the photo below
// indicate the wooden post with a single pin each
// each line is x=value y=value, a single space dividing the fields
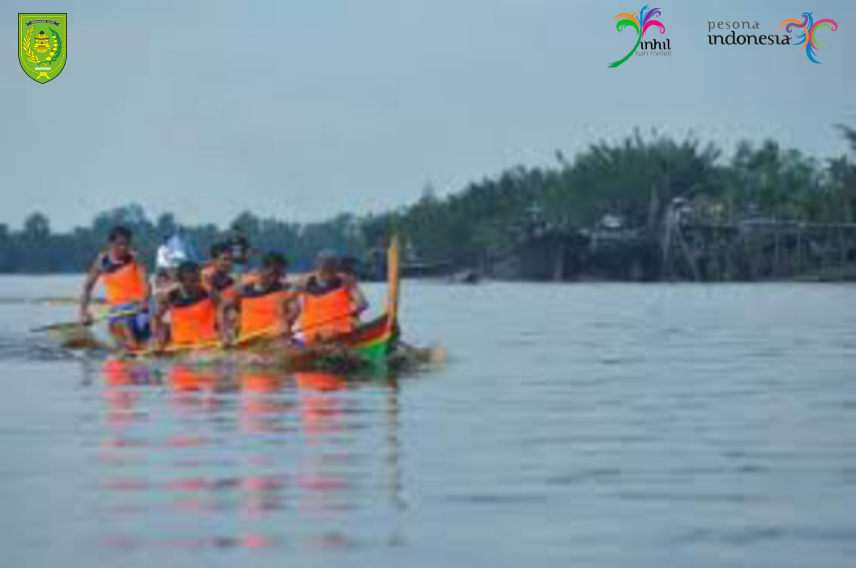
x=559 y=261
x=776 y=268
x=688 y=255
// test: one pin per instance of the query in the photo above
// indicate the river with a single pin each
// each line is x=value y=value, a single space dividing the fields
x=593 y=425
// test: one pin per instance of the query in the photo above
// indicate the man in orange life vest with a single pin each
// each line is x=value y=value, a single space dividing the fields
x=217 y=277
x=331 y=301
x=217 y=274
x=127 y=288
x=194 y=312
x=267 y=306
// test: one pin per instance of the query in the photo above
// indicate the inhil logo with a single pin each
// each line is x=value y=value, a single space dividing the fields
x=641 y=22
x=654 y=45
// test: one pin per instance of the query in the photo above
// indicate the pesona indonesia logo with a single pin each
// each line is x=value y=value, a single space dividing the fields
x=808 y=39
x=743 y=33
x=641 y=23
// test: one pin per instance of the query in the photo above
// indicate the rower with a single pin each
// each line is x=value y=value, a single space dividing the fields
x=127 y=289
x=348 y=271
x=217 y=274
x=192 y=312
x=217 y=277
x=331 y=300
x=267 y=306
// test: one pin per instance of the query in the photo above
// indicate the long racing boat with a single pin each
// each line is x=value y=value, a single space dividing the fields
x=370 y=343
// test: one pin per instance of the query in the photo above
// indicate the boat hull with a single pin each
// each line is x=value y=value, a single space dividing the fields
x=369 y=344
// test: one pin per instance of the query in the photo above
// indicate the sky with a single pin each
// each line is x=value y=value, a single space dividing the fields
x=303 y=110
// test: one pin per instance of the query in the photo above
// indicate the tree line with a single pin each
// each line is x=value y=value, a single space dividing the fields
x=633 y=179
x=35 y=248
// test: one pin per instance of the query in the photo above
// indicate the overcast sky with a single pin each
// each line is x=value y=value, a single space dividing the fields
x=305 y=109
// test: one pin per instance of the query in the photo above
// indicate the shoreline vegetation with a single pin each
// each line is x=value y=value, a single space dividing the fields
x=642 y=209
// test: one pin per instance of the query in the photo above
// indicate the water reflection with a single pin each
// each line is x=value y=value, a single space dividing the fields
x=230 y=456
x=263 y=406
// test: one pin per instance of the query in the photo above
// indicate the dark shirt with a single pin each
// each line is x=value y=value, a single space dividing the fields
x=109 y=264
x=220 y=281
x=180 y=300
x=257 y=291
x=316 y=287
x=239 y=246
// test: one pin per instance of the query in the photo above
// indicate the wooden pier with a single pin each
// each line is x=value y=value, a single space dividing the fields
x=760 y=249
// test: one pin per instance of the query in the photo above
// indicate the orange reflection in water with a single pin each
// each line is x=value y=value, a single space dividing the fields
x=272 y=413
x=262 y=409
x=194 y=389
x=321 y=412
x=250 y=541
x=121 y=401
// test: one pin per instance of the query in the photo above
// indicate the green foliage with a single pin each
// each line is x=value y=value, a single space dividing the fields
x=35 y=249
x=635 y=178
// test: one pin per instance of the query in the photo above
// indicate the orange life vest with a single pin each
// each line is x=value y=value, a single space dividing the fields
x=124 y=282
x=260 y=309
x=193 y=320
x=327 y=314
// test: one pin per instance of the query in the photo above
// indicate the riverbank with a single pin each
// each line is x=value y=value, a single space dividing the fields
x=846 y=273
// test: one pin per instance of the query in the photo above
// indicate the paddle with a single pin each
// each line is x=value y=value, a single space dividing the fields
x=433 y=355
x=277 y=330
x=66 y=300
x=78 y=325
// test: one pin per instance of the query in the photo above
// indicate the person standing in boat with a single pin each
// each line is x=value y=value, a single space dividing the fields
x=166 y=261
x=188 y=315
x=268 y=305
x=240 y=250
x=127 y=289
x=330 y=301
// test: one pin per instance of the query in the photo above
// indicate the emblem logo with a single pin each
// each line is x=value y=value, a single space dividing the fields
x=42 y=45
x=808 y=38
x=641 y=22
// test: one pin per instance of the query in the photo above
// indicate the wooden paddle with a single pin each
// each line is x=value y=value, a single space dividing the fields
x=78 y=325
x=67 y=300
x=432 y=355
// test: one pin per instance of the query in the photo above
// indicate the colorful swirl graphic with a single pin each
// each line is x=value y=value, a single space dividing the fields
x=639 y=22
x=807 y=39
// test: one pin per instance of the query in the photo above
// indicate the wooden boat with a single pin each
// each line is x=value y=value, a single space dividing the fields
x=370 y=343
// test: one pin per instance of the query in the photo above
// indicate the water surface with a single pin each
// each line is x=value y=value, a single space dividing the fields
x=587 y=425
